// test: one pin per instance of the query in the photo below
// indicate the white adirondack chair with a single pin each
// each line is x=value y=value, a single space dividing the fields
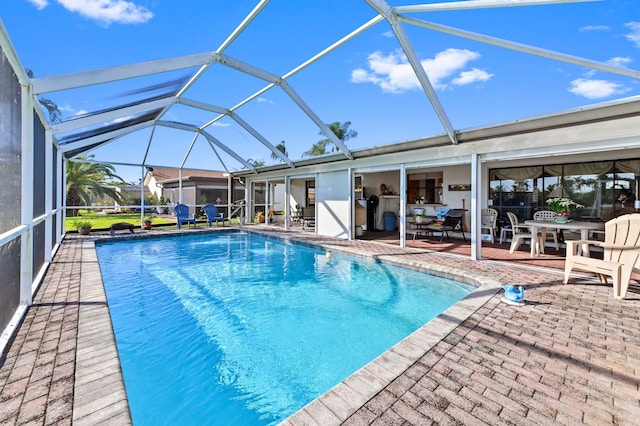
x=621 y=247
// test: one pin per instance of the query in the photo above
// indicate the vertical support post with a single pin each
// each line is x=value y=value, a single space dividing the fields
x=61 y=198
x=143 y=168
x=229 y=196
x=351 y=208
x=249 y=200
x=26 y=213
x=476 y=184
x=48 y=195
x=287 y=202
x=402 y=226
x=180 y=186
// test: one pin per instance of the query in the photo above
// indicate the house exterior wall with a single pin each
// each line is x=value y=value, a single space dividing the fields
x=556 y=140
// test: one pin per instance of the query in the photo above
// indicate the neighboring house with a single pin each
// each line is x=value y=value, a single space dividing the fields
x=130 y=193
x=193 y=187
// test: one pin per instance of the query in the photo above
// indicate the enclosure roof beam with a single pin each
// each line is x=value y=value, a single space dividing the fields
x=104 y=137
x=222 y=146
x=94 y=119
x=384 y=9
x=479 y=4
x=121 y=72
x=522 y=47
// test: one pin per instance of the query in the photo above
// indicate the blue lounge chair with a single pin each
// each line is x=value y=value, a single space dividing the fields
x=213 y=216
x=183 y=216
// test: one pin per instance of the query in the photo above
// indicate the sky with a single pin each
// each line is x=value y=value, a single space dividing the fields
x=367 y=81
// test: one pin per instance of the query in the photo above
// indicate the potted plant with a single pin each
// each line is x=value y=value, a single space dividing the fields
x=562 y=206
x=83 y=226
x=418 y=218
x=147 y=220
x=259 y=217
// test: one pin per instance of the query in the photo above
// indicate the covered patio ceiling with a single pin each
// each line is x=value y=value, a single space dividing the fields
x=162 y=101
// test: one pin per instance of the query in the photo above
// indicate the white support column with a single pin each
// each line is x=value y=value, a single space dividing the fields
x=61 y=181
x=248 y=200
x=287 y=202
x=229 y=196
x=402 y=226
x=142 y=171
x=476 y=217
x=351 y=206
x=26 y=213
x=48 y=195
x=180 y=186
x=267 y=201
x=315 y=219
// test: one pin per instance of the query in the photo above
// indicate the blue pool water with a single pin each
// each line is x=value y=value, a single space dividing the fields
x=239 y=329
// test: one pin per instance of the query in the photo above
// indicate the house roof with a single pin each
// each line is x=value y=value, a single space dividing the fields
x=165 y=175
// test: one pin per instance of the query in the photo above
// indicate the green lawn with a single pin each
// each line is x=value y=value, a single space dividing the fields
x=102 y=221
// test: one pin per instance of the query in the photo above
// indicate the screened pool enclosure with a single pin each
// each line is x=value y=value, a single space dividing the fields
x=164 y=95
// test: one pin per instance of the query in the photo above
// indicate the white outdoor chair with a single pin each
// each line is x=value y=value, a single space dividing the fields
x=621 y=254
x=489 y=217
x=523 y=232
x=548 y=215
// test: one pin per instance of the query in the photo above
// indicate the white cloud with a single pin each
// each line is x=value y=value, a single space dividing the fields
x=39 y=4
x=634 y=35
x=468 y=77
x=108 y=11
x=394 y=74
x=595 y=89
x=619 y=61
x=595 y=28
x=262 y=100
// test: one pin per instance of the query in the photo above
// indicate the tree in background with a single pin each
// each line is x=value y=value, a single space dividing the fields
x=280 y=147
x=255 y=163
x=86 y=180
x=342 y=132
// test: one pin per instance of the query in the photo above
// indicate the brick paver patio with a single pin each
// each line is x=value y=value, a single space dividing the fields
x=569 y=356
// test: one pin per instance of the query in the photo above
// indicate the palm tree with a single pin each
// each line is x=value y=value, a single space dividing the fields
x=280 y=147
x=85 y=180
x=342 y=132
x=255 y=163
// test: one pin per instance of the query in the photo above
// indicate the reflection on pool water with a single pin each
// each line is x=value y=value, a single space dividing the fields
x=234 y=328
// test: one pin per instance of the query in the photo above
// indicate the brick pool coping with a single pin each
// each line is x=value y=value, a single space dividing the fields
x=475 y=363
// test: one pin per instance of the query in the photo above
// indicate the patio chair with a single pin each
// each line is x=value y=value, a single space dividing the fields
x=489 y=217
x=452 y=223
x=522 y=232
x=621 y=256
x=183 y=216
x=308 y=217
x=548 y=215
x=212 y=214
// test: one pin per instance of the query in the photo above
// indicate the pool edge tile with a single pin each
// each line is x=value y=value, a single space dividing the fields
x=399 y=357
x=108 y=400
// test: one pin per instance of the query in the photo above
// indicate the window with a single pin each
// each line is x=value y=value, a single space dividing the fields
x=311 y=193
x=606 y=189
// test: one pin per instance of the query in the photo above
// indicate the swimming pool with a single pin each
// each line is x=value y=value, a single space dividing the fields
x=235 y=328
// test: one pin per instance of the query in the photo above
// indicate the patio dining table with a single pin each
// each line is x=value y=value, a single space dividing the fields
x=421 y=227
x=572 y=225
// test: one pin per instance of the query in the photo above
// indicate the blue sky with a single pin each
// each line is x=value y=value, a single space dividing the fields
x=367 y=81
